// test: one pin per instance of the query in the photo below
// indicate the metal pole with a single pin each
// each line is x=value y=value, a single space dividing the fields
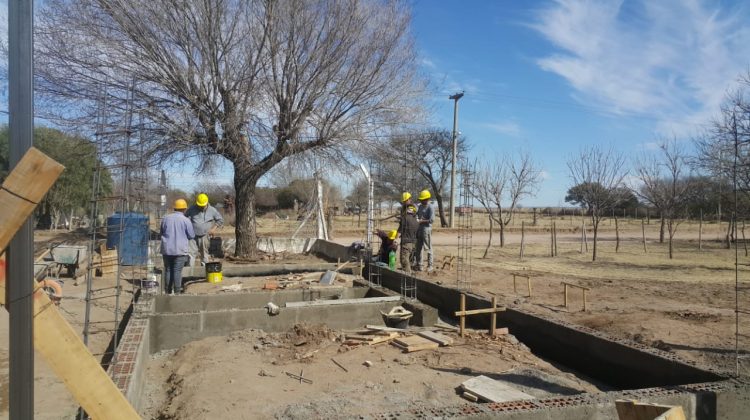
x=455 y=99
x=21 y=251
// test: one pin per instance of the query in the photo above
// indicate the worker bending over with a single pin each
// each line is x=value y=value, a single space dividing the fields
x=387 y=244
x=205 y=219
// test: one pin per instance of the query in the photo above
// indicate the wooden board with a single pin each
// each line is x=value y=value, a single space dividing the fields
x=54 y=338
x=493 y=391
x=25 y=186
x=634 y=410
x=344 y=301
x=415 y=343
x=441 y=339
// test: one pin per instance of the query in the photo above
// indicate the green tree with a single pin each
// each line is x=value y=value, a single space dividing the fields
x=72 y=191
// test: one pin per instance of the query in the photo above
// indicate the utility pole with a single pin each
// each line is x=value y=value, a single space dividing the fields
x=20 y=271
x=455 y=99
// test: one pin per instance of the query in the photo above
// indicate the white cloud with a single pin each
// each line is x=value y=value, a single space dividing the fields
x=509 y=128
x=670 y=59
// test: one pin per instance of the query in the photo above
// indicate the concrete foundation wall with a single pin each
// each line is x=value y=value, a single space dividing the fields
x=619 y=363
x=253 y=300
x=332 y=251
x=169 y=331
x=198 y=273
x=294 y=246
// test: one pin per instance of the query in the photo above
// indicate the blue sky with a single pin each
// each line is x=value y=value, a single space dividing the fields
x=550 y=77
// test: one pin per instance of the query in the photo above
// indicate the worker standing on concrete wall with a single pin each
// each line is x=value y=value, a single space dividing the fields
x=425 y=216
x=176 y=233
x=408 y=230
x=205 y=219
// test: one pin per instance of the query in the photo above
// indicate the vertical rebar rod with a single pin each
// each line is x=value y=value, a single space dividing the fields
x=21 y=250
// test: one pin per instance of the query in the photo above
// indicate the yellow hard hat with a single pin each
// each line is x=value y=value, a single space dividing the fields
x=424 y=195
x=180 y=204
x=202 y=200
x=405 y=197
x=412 y=209
x=392 y=234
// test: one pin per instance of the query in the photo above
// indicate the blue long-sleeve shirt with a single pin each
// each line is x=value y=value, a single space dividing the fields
x=204 y=219
x=176 y=230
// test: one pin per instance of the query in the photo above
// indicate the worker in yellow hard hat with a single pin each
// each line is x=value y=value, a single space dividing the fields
x=387 y=244
x=405 y=202
x=176 y=233
x=425 y=217
x=206 y=220
x=408 y=229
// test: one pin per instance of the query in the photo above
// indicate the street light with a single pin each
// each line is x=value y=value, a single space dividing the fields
x=455 y=99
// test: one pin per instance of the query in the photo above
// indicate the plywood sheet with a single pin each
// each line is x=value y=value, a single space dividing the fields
x=491 y=390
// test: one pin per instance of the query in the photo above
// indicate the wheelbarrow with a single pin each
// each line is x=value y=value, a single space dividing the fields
x=68 y=257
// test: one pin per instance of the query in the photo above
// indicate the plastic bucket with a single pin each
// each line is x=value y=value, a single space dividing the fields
x=213 y=272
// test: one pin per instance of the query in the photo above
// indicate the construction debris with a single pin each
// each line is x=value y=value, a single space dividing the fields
x=441 y=339
x=414 y=343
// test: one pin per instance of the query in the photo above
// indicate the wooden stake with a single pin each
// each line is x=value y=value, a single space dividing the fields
x=565 y=295
x=643 y=232
x=462 y=321
x=493 y=317
x=523 y=238
x=583 y=229
x=700 y=233
x=528 y=283
x=743 y=237
x=514 y=284
x=554 y=238
x=617 y=236
x=585 y=238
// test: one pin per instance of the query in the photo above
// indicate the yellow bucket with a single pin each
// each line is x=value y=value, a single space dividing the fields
x=213 y=272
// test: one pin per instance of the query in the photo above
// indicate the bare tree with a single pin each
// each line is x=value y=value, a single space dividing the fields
x=499 y=187
x=665 y=185
x=250 y=81
x=599 y=174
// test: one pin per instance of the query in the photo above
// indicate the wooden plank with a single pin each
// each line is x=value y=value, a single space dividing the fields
x=575 y=285
x=674 y=413
x=493 y=317
x=415 y=343
x=479 y=311
x=381 y=328
x=493 y=391
x=441 y=339
x=344 y=301
x=69 y=358
x=24 y=187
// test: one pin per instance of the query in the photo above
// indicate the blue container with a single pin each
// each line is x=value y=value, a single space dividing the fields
x=133 y=229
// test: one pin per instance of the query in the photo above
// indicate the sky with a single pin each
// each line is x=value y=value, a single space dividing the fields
x=552 y=77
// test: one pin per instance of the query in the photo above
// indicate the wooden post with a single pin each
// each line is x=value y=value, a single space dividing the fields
x=700 y=233
x=462 y=319
x=523 y=237
x=565 y=295
x=493 y=317
x=743 y=237
x=528 y=283
x=554 y=236
x=585 y=238
x=514 y=284
x=551 y=240
x=617 y=236
x=643 y=232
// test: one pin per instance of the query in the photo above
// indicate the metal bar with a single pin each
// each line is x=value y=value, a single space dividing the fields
x=21 y=250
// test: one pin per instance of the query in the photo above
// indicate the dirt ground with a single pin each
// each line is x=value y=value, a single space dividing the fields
x=244 y=375
x=684 y=305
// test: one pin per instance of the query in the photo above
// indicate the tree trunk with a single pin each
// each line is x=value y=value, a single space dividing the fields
x=245 y=228
x=441 y=212
x=661 y=230
x=596 y=235
x=489 y=241
x=502 y=234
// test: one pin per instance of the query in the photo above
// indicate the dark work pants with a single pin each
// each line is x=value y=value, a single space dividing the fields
x=173 y=265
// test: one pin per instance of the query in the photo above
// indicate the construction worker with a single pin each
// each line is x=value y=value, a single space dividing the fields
x=387 y=244
x=206 y=219
x=408 y=231
x=176 y=233
x=425 y=217
x=405 y=202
